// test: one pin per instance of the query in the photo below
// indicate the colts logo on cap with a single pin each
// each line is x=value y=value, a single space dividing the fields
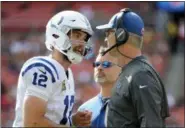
x=142 y=31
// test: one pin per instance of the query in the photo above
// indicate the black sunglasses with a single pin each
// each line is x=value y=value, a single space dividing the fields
x=104 y=64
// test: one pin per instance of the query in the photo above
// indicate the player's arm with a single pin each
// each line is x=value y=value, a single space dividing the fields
x=34 y=111
x=40 y=81
x=147 y=98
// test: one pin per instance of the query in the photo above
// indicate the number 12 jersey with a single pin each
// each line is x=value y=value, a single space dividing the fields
x=45 y=78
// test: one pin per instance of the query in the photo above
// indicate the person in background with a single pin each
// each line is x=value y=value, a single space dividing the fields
x=106 y=72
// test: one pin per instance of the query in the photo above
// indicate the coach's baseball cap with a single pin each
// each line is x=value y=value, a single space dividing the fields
x=131 y=21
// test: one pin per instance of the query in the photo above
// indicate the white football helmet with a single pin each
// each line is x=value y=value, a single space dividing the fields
x=58 y=27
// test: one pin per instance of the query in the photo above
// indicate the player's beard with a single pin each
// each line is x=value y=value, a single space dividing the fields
x=66 y=58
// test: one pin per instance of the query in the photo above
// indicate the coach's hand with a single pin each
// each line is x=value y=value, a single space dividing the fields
x=82 y=118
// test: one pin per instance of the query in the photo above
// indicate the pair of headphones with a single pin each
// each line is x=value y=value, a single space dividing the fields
x=121 y=33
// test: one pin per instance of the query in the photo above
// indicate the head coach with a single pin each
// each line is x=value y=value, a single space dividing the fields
x=138 y=98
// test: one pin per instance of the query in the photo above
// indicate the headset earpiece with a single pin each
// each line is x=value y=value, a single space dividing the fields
x=121 y=34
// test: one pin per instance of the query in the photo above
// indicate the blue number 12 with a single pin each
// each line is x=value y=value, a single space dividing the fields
x=39 y=80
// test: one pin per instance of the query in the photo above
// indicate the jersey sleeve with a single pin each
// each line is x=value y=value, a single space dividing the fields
x=39 y=79
x=89 y=105
x=82 y=107
x=147 y=98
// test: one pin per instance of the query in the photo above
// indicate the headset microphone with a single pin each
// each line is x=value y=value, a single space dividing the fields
x=116 y=45
x=105 y=52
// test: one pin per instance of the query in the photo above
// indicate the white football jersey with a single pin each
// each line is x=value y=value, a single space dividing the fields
x=45 y=78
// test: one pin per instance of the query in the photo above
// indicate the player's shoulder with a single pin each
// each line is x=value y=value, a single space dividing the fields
x=93 y=102
x=44 y=65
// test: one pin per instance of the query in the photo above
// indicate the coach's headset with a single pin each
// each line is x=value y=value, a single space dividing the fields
x=121 y=34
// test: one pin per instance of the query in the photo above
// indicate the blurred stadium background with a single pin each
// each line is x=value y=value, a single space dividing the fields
x=22 y=36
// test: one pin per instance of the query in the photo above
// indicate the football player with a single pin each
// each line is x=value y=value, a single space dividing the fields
x=45 y=92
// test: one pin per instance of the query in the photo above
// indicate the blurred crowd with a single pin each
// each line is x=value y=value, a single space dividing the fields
x=163 y=45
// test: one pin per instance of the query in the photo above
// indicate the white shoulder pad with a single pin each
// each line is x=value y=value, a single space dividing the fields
x=42 y=65
x=40 y=76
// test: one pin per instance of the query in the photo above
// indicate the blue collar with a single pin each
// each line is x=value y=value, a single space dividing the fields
x=103 y=99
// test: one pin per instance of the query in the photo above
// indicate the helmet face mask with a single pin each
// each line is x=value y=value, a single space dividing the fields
x=78 y=42
x=69 y=32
